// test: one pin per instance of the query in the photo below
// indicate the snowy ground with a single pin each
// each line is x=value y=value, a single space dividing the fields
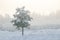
x=46 y=34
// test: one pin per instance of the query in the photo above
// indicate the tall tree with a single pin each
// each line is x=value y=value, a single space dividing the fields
x=21 y=19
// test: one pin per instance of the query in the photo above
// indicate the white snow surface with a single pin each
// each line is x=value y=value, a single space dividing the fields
x=43 y=34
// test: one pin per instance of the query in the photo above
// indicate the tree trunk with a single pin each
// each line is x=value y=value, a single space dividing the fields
x=22 y=31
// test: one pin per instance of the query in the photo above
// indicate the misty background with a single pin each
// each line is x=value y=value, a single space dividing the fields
x=45 y=13
x=38 y=21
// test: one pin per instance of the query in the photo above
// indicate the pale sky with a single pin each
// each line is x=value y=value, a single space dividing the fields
x=37 y=6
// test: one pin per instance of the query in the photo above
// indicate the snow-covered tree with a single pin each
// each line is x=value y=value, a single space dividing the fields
x=21 y=19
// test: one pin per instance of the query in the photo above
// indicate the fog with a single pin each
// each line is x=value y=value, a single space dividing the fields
x=5 y=23
x=43 y=20
x=53 y=18
x=37 y=21
x=37 y=6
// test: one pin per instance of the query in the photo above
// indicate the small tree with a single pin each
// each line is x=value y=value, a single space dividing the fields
x=21 y=19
